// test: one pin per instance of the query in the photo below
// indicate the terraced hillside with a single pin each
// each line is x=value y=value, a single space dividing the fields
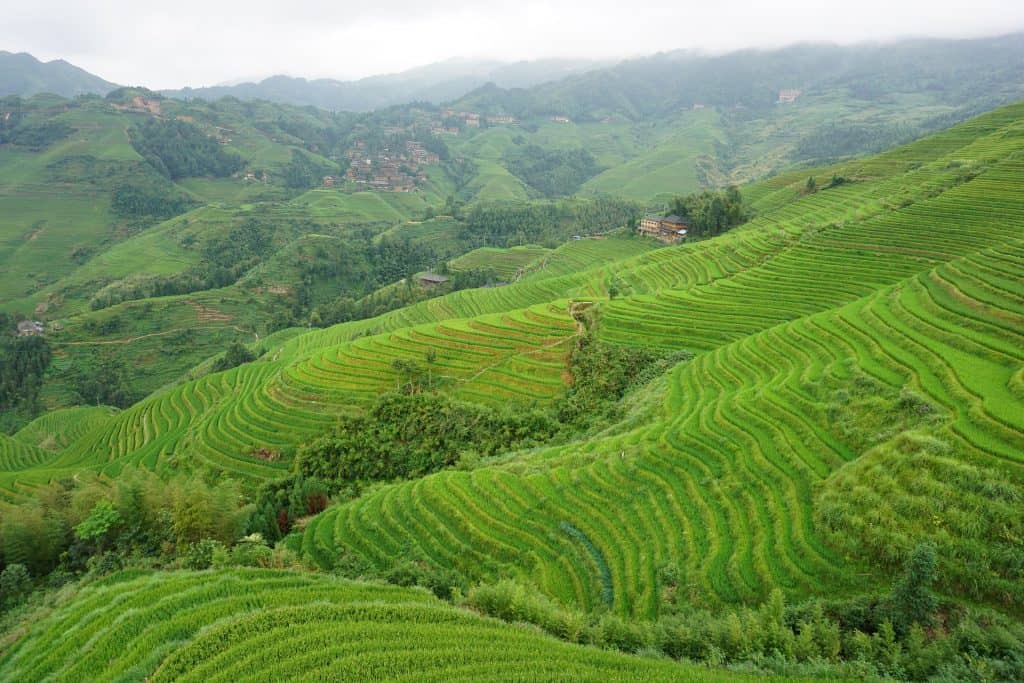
x=242 y=625
x=843 y=338
x=749 y=474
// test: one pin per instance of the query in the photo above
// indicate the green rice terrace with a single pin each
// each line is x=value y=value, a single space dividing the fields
x=820 y=405
x=234 y=625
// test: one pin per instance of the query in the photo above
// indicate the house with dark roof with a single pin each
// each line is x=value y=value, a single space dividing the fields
x=431 y=279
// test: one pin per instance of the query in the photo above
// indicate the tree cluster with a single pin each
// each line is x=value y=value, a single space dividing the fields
x=178 y=149
x=552 y=172
x=711 y=212
x=412 y=434
x=508 y=224
x=71 y=525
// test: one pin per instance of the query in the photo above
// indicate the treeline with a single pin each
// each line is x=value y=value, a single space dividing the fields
x=35 y=136
x=711 y=212
x=508 y=224
x=23 y=362
x=304 y=172
x=552 y=172
x=834 y=140
x=141 y=197
x=71 y=525
x=225 y=258
x=178 y=149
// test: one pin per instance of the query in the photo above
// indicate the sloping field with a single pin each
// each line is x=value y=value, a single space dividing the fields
x=918 y=299
x=874 y=322
x=58 y=429
x=260 y=625
x=16 y=455
x=505 y=262
x=723 y=483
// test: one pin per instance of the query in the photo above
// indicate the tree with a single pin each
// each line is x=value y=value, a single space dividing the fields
x=812 y=185
x=912 y=599
x=235 y=355
x=98 y=527
x=15 y=583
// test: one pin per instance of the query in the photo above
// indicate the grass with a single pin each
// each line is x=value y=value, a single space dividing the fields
x=234 y=625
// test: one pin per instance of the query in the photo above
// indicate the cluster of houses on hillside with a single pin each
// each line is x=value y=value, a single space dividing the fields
x=669 y=229
x=387 y=169
x=30 y=328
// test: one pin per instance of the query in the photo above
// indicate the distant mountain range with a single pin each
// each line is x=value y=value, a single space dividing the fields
x=436 y=83
x=967 y=75
x=971 y=75
x=22 y=74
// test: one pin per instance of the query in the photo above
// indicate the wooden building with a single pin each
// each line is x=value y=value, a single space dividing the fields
x=669 y=229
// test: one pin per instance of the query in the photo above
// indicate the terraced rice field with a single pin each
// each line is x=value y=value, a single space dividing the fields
x=909 y=275
x=58 y=429
x=16 y=455
x=924 y=295
x=507 y=263
x=263 y=625
x=723 y=483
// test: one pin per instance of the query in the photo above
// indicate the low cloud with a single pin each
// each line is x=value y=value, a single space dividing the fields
x=201 y=43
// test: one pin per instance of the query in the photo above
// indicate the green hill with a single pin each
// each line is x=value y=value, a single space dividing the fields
x=851 y=392
x=22 y=74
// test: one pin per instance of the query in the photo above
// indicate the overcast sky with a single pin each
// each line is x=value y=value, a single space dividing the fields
x=202 y=42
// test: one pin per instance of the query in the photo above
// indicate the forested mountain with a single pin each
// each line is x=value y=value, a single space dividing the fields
x=961 y=73
x=433 y=83
x=22 y=74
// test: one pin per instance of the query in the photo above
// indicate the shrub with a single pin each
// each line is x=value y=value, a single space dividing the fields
x=15 y=584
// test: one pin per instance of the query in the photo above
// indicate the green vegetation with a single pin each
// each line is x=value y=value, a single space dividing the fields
x=793 y=447
x=284 y=625
x=711 y=213
x=177 y=149
x=552 y=173
x=405 y=436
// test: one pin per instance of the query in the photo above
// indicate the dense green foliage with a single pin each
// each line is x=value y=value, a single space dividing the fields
x=552 y=172
x=23 y=362
x=178 y=149
x=35 y=136
x=138 y=198
x=711 y=213
x=548 y=223
x=412 y=434
x=235 y=355
x=71 y=526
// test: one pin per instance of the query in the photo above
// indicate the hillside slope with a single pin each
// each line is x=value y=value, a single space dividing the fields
x=845 y=339
x=242 y=625
x=24 y=75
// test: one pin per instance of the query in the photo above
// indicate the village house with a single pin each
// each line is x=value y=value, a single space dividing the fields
x=499 y=120
x=328 y=181
x=668 y=229
x=431 y=279
x=560 y=119
x=30 y=328
x=789 y=95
